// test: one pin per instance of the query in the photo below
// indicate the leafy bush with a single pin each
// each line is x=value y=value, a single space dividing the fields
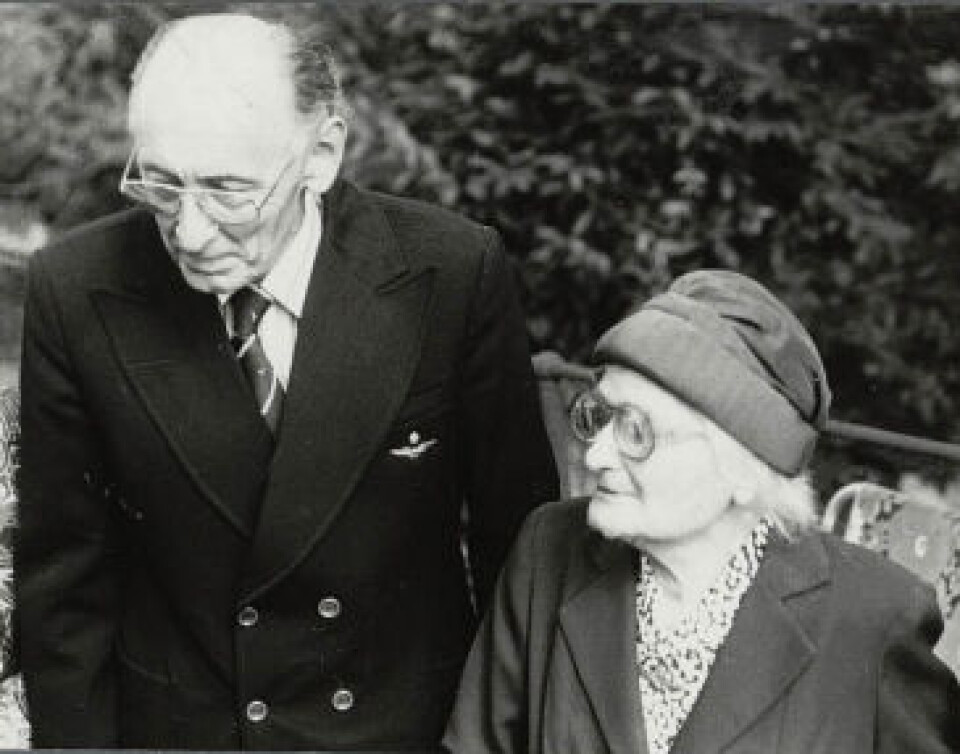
x=615 y=146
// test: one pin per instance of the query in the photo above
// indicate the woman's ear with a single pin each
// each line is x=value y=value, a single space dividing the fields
x=736 y=468
x=325 y=154
x=743 y=493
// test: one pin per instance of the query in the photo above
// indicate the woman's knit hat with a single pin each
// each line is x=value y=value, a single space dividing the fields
x=721 y=342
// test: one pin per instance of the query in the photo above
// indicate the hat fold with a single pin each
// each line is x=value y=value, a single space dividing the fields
x=722 y=343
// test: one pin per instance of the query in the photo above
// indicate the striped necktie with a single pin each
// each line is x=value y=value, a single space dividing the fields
x=249 y=306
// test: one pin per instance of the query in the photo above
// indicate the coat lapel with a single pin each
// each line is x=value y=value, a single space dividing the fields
x=599 y=626
x=766 y=649
x=171 y=344
x=358 y=345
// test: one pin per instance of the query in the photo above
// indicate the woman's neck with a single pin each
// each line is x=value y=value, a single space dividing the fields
x=686 y=568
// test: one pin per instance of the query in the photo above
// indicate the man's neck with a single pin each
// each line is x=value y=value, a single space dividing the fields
x=293 y=234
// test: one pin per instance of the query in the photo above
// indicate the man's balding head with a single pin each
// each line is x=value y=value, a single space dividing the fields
x=198 y=67
x=223 y=53
x=229 y=105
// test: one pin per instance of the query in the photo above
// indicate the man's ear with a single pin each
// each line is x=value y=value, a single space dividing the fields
x=326 y=153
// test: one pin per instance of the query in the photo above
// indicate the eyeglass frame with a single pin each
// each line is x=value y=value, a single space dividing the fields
x=197 y=191
x=617 y=414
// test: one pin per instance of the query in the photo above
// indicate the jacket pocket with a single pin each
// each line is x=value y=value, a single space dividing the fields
x=145 y=705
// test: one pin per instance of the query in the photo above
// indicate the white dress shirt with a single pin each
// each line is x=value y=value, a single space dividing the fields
x=286 y=286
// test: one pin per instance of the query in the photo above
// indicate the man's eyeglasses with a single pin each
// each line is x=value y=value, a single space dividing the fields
x=632 y=428
x=224 y=206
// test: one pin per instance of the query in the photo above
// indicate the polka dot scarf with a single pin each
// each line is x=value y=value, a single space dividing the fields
x=674 y=661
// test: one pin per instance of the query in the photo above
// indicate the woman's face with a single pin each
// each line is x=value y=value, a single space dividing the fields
x=677 y=492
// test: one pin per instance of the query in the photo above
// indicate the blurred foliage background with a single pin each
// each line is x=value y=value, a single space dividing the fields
x=615 y=147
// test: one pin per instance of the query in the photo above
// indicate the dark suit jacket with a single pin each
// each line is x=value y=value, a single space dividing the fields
x=830 y=653
x=155 y=508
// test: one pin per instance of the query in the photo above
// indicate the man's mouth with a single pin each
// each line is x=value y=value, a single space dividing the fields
x=206 y=264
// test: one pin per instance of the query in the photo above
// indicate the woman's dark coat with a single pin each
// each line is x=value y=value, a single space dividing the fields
x=830 y=653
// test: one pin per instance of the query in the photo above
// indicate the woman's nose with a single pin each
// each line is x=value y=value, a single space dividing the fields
x=602 y=452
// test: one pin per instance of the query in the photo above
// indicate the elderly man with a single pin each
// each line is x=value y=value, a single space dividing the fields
x=252 y=409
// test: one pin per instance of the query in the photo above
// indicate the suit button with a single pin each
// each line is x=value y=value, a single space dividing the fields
x=248 y=617
x=329 y=608
x=257 y=711
x=342 y=700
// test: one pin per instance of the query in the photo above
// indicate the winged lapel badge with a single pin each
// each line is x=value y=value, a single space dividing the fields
x=414 y=447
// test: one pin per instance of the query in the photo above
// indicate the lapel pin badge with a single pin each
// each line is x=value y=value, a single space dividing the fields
x=414 y=447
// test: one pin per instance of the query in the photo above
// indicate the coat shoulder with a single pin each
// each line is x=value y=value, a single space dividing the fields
x=97 y=247
x=872 y=581
x=408 y=211
x=440 y=236
x=558 y=543
x=557 y=522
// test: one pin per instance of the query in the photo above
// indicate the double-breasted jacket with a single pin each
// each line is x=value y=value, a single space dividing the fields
x=183 y=581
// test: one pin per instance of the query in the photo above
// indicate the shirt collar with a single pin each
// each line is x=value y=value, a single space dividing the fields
x=286 y=283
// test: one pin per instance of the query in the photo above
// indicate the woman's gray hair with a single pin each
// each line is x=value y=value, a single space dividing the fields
x=788 y=502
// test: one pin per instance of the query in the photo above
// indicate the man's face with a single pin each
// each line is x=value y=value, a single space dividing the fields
x=201 y=119
x=677 y=492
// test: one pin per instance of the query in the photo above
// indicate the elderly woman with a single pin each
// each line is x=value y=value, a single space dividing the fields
x=690 y=605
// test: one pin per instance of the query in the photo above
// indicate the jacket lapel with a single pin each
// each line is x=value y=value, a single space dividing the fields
x=766 y=649
x=358 y=345
x=171 y=345
x=597 y=620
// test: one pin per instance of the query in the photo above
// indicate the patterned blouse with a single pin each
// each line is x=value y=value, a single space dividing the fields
x=674 y=661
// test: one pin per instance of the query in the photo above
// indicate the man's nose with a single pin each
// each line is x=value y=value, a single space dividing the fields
x=192 y=228
x=602 y=452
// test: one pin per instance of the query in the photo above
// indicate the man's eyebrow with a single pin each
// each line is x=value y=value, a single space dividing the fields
x=150 y=167
x=227 y=178
x=212 y=180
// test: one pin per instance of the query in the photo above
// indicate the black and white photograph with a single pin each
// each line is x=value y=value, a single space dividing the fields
x=480 y=378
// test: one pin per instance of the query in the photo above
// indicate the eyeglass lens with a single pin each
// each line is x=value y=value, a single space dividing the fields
x=223 y=207
x=632 y=428
x=229 y=207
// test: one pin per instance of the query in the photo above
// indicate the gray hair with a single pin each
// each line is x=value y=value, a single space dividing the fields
x=788 y=502
x=316 y=74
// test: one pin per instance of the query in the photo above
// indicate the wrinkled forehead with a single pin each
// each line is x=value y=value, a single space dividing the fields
x=622 y=386
x=215 y=82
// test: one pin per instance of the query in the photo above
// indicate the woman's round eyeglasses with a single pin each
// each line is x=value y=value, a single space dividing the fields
x=632 y=428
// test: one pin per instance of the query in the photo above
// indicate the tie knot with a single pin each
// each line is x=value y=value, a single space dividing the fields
x=249 y=306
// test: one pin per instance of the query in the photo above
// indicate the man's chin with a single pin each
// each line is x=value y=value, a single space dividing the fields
x=222 y=282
